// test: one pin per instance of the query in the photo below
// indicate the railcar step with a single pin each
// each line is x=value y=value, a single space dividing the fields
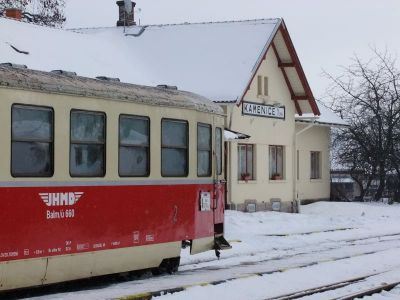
x=221 y=243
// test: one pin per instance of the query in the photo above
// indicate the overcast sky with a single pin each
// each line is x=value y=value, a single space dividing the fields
x=325 y=33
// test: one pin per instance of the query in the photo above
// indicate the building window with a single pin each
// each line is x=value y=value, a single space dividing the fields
x=246 y=162
x=134 y=146
x=203 y=150
x=315 y=165
x=276 y=162
x=87 y=150
x=262 y=85
x=218 y=149
x=265 y=86
x=32 y=141
x=174 y=148
x=259 y=85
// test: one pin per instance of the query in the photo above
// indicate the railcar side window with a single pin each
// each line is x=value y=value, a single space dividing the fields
x=87 y=149
x=32 y=141
x=134 y=146
x=218 y=149
x=203 y=150
x=174 y=148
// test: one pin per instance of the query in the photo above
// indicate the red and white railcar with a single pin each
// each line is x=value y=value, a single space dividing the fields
x=100 y=177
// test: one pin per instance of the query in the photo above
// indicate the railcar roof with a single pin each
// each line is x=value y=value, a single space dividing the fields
x=11 y=77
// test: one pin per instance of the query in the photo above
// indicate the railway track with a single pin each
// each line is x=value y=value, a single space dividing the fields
x=339 y=285
x=322 y=246
x=370 y=292
x=389 y=241
x=295 y=295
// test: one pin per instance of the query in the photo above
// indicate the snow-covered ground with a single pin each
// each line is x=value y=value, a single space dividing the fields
x=276 y=254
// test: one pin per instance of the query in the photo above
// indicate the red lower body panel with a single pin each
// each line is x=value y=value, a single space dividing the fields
x=48 y=221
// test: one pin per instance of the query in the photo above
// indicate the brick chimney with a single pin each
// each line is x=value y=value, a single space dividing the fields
x=14 y=13
x=125 y=18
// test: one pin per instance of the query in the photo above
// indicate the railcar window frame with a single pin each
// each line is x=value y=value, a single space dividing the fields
x=203 y=149
x=186 y=174
x=219 y=151
x=126 y=145
x=50 y=141
x=104 y=142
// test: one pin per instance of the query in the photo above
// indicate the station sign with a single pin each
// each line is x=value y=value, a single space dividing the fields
x=263 y=110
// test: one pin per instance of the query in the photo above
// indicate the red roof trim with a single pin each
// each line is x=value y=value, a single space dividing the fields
x=289 y=85
x=297 y=65
x=299 y=68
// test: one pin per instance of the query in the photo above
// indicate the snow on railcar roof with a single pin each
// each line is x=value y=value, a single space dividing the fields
x=11 y=77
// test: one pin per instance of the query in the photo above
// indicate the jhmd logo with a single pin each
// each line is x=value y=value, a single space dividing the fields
x=61 y=199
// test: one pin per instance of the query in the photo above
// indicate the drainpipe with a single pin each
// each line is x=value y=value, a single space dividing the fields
x=295 y=192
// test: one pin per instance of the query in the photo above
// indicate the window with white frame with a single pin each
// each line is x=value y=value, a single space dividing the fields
x=276 y=162
x=246 y=162
x=315 y=165
x=262 y=85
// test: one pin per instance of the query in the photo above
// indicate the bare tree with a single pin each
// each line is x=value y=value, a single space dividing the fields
x=367 y=96
x=42 y=12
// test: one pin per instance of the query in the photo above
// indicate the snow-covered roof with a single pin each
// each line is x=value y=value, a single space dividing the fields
x=327 y=117
x=212 y=59
x=346 y=179
x=217 y=60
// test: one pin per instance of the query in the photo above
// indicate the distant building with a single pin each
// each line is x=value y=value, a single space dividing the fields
x=279 y=137
x=344 y=187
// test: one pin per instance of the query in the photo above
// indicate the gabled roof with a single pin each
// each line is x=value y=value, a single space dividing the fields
x=216 y=60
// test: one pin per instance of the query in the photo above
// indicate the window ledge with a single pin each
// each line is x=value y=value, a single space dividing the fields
x=277 y=181
x=263 y=97
x=316 y=180
x=248 y=181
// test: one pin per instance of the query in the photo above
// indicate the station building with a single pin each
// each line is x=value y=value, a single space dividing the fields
x=278 y=136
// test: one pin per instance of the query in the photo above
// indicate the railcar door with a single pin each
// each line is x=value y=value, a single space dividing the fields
x=219 y=181
x=219 y=193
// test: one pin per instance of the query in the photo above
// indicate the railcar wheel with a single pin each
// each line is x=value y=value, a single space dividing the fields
x=168 y=265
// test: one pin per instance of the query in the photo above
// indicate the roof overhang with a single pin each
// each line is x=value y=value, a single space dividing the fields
x=234 y=136
x=318 y=123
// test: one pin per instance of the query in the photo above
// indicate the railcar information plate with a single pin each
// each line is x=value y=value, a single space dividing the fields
x=263 y=110
x=205 y=201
